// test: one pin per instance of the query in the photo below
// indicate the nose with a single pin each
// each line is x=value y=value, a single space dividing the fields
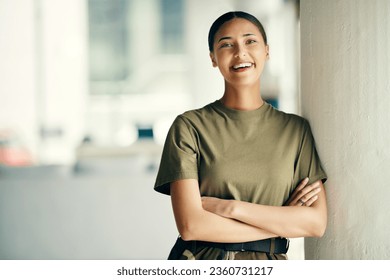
x=240 y=51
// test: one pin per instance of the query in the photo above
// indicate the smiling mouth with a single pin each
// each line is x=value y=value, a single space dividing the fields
x=242 y=66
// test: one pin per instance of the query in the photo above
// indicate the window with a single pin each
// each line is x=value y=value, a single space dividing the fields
x=172 y=26
x=108 y=40
x=123 y=31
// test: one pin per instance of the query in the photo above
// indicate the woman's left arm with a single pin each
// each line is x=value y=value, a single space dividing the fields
x=285 y=221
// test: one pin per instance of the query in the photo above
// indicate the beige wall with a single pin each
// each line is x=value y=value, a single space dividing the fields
x=345 y=95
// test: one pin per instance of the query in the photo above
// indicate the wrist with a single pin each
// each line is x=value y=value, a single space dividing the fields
x=231 y=209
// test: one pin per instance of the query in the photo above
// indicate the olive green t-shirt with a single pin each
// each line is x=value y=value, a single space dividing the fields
x=257 y=156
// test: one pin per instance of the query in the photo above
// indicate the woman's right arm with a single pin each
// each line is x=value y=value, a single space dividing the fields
x=195 y=223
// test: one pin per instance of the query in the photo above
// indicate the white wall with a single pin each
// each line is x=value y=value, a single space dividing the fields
x=17 y=70
x=43 y=74
x=62 y=60
x=345 y=95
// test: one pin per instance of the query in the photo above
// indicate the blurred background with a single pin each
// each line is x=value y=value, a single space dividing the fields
x=88 y=90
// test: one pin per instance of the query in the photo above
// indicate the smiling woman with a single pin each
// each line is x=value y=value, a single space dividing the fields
x=238 y=170
x=239 y=47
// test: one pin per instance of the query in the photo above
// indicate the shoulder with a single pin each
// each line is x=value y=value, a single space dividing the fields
x=191 y=121
x=287 y=119
x=195 y=116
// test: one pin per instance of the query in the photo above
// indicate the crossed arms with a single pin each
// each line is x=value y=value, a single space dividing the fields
x=219 y=220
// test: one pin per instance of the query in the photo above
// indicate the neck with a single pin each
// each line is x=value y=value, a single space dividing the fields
x=242 y=98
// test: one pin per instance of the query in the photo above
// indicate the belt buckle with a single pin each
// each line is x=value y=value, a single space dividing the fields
x=242 y=247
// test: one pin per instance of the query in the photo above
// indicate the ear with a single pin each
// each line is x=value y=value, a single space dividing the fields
x=213 y=60
x=267 y=52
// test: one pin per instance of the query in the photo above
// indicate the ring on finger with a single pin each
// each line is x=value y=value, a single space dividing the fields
x=301 y=201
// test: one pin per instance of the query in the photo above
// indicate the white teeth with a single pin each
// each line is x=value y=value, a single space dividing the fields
x=241 y=65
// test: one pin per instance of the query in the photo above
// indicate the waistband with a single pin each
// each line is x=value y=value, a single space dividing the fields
x=271 y=245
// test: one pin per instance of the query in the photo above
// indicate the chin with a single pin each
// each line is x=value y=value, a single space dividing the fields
x=245 y=82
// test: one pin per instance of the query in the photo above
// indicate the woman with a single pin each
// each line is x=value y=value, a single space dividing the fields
x=238 y=170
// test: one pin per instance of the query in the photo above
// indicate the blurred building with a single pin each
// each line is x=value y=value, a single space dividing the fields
x=101 y=70
x=88 y=91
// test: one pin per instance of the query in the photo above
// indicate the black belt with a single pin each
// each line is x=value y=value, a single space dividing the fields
x=271 y=245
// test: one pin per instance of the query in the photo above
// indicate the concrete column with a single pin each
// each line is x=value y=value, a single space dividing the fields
x=345 y=61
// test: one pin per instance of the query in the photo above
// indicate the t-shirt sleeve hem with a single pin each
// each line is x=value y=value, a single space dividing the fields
x=162 y=185
x=321 y=176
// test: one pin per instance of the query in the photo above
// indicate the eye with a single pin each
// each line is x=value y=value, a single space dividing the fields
x=251 y=41
x=226 y=45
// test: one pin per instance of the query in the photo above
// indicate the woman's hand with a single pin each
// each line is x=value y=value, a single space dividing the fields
x=221 y=207
x=195 y=223
x=304 y=195
x=282 y=221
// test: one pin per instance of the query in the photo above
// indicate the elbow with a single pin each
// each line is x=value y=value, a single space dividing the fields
x=191 y=227
x=318 y=230
x=188 y=231
x=317 y=223
x=186 y=234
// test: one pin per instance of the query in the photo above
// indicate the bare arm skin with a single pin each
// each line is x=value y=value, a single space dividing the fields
x=287 y=221
x=195 y=223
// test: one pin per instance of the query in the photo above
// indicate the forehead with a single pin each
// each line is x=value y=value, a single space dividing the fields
x=237 y=27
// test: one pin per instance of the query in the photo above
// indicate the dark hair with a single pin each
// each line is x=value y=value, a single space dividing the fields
x=229 y=16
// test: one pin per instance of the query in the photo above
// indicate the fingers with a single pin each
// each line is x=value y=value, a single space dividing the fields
x=310 y=201
x=292 y=200
x=302 y=184
x=305 y=195
x=308 y=195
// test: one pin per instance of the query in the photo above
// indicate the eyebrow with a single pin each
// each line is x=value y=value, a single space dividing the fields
x=227 y=37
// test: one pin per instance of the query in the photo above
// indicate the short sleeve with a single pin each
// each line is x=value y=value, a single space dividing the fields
x=308 y=163
x=179 y=158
